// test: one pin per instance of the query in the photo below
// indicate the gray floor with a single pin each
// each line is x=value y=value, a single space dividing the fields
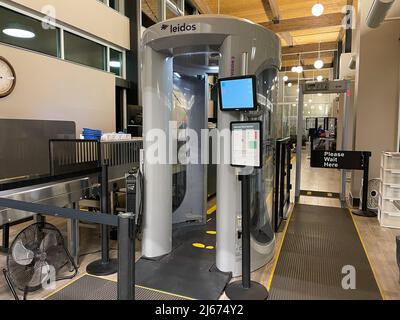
x=319 y=243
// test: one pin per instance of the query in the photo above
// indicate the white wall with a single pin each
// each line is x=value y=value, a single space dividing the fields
x=51 y=89
x=377 y=87
x=90 y=16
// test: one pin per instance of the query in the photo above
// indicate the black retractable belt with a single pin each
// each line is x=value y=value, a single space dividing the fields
x=105 y=266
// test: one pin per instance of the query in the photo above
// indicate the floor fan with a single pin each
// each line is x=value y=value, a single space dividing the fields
x=37 y=257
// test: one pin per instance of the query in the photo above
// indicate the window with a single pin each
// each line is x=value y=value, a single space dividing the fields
x=29 y=32
x=116 y=62
x=84 y=51
x=115 y=4
x=25 y=32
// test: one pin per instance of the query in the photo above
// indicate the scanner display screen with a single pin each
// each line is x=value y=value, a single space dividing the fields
x=237 y=93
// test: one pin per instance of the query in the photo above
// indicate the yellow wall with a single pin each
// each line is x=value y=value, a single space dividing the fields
x=91 y=16
x=51 y=89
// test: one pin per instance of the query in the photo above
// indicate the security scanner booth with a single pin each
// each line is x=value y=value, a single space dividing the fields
x=178 y=56
x=328 y=124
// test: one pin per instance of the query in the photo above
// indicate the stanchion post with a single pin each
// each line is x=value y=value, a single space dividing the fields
x=5 y=238
x=246 y=289
x=364 y=204
x=126 y=256
x=104 y=207
x=365 y=212
x=246 y=259
x=105 y=266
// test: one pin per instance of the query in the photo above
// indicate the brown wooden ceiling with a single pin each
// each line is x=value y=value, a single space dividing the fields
x=300 y=32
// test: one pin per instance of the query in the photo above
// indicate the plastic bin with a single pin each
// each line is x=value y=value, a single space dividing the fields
x=390 y=160
x=390 y=176
x=388 y=220
x=390 y=206
x=390 y=191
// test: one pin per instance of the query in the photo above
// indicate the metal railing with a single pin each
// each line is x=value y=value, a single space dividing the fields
x=126 y=236
x=77 y=155
x=283 y=167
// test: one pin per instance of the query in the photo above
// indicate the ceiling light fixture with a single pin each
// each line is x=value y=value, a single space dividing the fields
x=300 y=69
x=319 y=63
x=285 y=78
x=317 y=9
x=320 y=78
x=290 y=84
x=19 y=33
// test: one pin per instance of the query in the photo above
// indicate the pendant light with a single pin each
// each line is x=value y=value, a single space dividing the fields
x=317 y=9
x=319 y=64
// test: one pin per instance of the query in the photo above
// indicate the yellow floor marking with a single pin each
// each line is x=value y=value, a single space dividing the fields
x=212 y=232
x=164 y=292
x=113 y=280
x=280 y=248
x=366 y=253
x=210 y=247
x=212 y=210
x=199 y=245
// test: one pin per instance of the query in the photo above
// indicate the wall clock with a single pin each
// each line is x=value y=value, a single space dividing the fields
x=8 y=78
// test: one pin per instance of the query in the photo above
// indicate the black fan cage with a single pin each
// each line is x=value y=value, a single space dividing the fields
x=37 y=256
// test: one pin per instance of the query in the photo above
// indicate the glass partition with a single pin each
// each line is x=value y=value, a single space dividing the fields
x=261 y=183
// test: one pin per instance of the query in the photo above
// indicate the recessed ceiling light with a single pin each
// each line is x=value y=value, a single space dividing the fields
x=19 y=33
x=320 y=78
x=294 y=69
x=318 y=9
x=290 y=84
x=115 y=64
x=285 y=78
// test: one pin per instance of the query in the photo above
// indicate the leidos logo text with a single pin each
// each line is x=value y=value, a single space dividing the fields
x=180 y=28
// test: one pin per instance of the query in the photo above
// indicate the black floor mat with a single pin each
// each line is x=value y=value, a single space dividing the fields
x=319 y=242
x=188 y=271
x=93 y=288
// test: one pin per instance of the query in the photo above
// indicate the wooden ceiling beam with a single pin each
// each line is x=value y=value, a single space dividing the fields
x=309 y=55
x=326 y=20
x=273 y=13
x=272 y=10
x=288 y=38
x=202 y=6
x=311 y=47
x=307 y=67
